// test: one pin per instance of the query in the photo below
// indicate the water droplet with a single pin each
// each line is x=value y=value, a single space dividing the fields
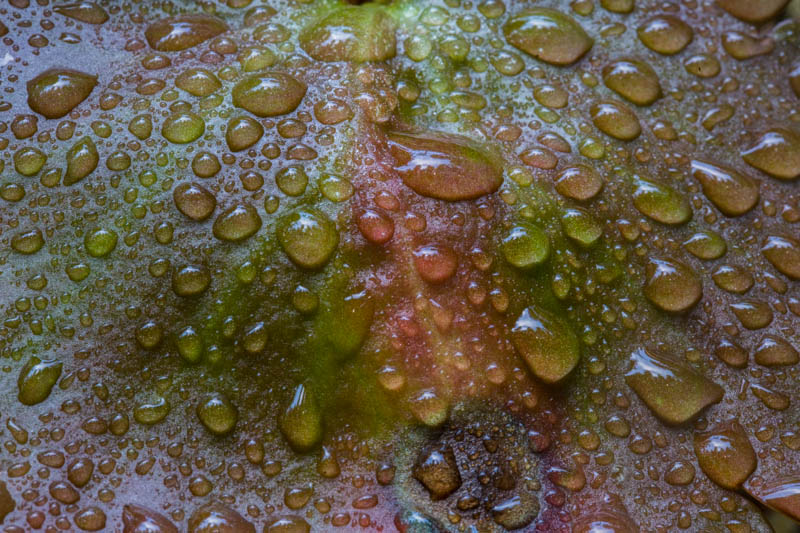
x=215 y=517
x=526 y=246
x=516 y=511
x=437 y=470
x=661 y=203
x=56 y=92
x=784 y=254
x=616 y=120
x=548 y=35
x=86 y=12
x=547 y=344
x=151 y=412
x=198 y=82
x=742 y=46
x=755 y=12
x=733 y=279
x=665 y=34
x=702 y=65
x=28 y=161
x=190 y=345
x=82 y=160
x=287 y=524
x=634 y=80
x=725 y=454
x=780 y=492
x=90 y=519
x=242 y=133
x=190 y=281
x=777 y=152
x=706 y=245
x=183 y=128
x=673 y=392
x=376 y=227
x=28 y=242
x=731 y=353
x=356 y=34
x=444 y=167
x=237 y=223
x=36 y=380
x=345 y=323
x=672 y=286
x=581 y=227
x=752 y=314
x=731 y=191
x=137 y=519
x=579 y=182
x=182 y=32
x=775 y=351
x=100 y=242
x=308 y=237
x=194 y=201
x=269 y=94
x=335 y=188
x=217 y=414
x=292 y=180
x=605 y=516
x=434 y=263
x=301 y=423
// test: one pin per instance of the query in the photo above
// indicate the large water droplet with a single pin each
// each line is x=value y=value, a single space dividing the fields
x=183 y=128
x=634 y=80
x=218 y=414
x=444 y=167
x=579 y=182
x=242 y=133
x=36 y=380
x=100 y=242
x=301 y=423
x=725 y=454
x=617 y=120
x=672 y=286
x=308 y=237
x=775 y=351
x=358 y=34
x=605 y=516
x=182 y=32
x=548 y=35
x=755 y=12
x=56 y=92
x=777 y=152
x=137 y=519
x=780 y=492
x=731 y=191
x=784 y=254
x=87 y=12
x=82 y=160
x=198 y=81
x=546 y=343
x=269 y=94
x=215 y=517
x=437 y=470
x=194 y=201
x=526 y=246
x=673 y=392
x=665 y=34
x=661 y=203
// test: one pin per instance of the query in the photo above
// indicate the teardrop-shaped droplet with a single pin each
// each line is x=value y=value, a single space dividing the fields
x=434 y=263
x=82 y=160
x=725 y=454
x=784 y=254
x=357 y=34
x=608 y=515
x=634 y=80
x=198 y=81
x=237 y=223
x=182 y=32
x=218 y=414
x=775 y=351
x=183 y=128
x=242 y=133
x=86 y=12
x=548 y=35
x=28 y=242
x=777 y=152
x=706 y=245
x=444 y=167
x=731 y=191
x=269 y=94
x=308 y=237
x=216 y=517
x=742 y=46
x=547 y=344
x=672 y=286
x=526 y=246
x=661 y=202
x=665 y=34
x=36 y=380
x=673 y=392
x=190 y=281
x=778 y=491
x=581 y=227
x=616 y=120
x=376 y=227
x=301 y=423
x=138 y=519
x=755 y=12
x=56 y=92
x=194 y=201
x=579 y=182
x=344 y=323
x=753 y=314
